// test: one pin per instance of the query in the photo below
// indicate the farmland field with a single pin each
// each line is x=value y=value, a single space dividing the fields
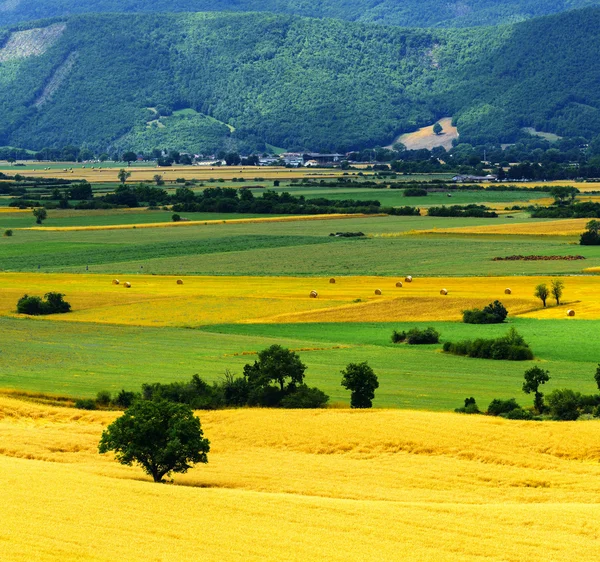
x=407 y=480
x=349 y=485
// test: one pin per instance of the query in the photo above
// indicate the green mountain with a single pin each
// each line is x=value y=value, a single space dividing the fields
x=413 y=13
x=202 y=82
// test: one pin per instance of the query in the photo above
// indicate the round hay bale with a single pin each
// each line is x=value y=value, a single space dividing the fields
x=408 y=279
x=127 y=284
x=444 y=292
x=378 y=291
x=399 y=284
x=180 y=281
x=507 y=291
x=332 y=281
x=570 y=312
x=314 y=294
x=116 y=281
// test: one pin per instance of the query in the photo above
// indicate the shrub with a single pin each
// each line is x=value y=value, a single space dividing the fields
x=498 y=407
x=176 y=218
x=398 y=337
x=124 y=399
x=418 y=337
x=470 y=407
x=563 y=404
x=103 y=398
x=518 y=414
x=8 y=232
x=511 y=347
x=305 y=397
x=85 y=404
x=493 y=313
x=53 y=303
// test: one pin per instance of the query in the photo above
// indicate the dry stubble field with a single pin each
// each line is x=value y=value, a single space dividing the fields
x=160 y=301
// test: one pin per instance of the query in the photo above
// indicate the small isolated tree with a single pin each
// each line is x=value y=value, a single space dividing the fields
x=158 y=179
x=176 y=217
x=123 y=175
x=591 y=237
x=437 y=129
x=129 y=157
x=557 y=289
x=541 y=292
x=40 y=214
x=161 y=436
x=362 y=382
x=534 y=378
x=597 y=376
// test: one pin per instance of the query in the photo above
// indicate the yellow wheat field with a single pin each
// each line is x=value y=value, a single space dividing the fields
x=99 y=174
x=335 y=216
x=564 y=227
x=305 y=485
x=160 y=301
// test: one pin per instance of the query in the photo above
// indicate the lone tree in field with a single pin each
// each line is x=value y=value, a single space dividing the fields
x=123 y=175
x=362 y=382
x=534 y=378
x=557 y=289
x=277 y=365
x=40 y=214
x=437 y=129
x=541 y=292
x=129 y=157
x=161 y=436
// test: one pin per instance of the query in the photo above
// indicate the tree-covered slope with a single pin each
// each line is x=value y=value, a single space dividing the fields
x=202 y=82
x=420 y=13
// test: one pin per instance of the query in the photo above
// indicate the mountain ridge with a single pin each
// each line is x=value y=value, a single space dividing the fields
x=295 y=82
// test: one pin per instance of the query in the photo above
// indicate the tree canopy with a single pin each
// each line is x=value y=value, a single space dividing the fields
x=159 y=435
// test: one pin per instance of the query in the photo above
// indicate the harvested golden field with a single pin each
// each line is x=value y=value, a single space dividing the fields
x=584 y=187
x=426 y=138
x=294 y=218
x=100 y=174
x=305 y=485
x=563 y=227
x=154 y=300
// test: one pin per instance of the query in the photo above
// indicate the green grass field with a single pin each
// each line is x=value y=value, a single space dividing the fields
x=287 y=248
x=81 y=359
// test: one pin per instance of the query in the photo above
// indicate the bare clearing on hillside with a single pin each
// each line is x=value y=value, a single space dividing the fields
x=426 y=138
x=57 y=79
x=9 y=5
x=31 y=42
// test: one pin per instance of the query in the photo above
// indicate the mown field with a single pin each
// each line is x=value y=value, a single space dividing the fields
x=299 y=247
x=300 y=485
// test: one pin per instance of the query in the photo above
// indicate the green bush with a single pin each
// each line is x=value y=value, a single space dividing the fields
x=124 y=399
x=53 y=303
x=511 y=347
x=176 y=217
x=85 y=404
x=518 y=414
x=564 y=404
x=498 y=407
x=305 y=397
x=416 y=336
x=493 y=313
x=470 y=407
x=103 y=398
x=398 y=337
x=8 y=233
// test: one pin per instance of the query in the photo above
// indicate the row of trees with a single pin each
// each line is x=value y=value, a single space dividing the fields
x=561 y=404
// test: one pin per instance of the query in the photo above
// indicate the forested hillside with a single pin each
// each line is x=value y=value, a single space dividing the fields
x=420 y=13
x=202 y=82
